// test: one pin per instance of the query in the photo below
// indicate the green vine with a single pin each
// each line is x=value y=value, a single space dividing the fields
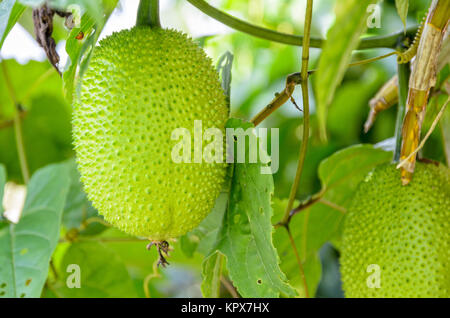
x=385 y=41
x=305 y=96
x=304 y=146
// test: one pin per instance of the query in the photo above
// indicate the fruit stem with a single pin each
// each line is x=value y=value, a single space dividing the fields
x=403 y=78
x=148 y=14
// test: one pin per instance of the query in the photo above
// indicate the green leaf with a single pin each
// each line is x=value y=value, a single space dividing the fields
x=79 y=51
x=246 y=234
x=75 y=49
x=211 y=272
x=10 y=12
x=402 y=9
x=342 y=38
x=351 y=162
x=26 y=248
x=2 y=187
x=102 y=273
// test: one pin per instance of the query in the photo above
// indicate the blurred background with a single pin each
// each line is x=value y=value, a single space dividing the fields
x=259 y=71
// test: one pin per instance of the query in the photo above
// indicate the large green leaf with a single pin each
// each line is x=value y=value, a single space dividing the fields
x=10 y=12
x=26 y=247
x=246 y=234
x=101 y=272
x=342 y=38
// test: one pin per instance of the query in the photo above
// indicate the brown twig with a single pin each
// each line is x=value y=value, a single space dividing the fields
x=296 y=79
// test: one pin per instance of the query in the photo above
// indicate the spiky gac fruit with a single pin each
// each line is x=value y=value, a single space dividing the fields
x=143 y=84
x=396 y=239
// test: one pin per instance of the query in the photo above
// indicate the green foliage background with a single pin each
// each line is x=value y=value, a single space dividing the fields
x=115 y=265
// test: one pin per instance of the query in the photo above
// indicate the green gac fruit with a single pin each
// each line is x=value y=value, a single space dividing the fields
x=141 y=85
x=396 y=239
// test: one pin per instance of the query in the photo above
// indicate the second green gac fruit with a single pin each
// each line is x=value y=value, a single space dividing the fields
x=141 y=85
x=396 y=239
